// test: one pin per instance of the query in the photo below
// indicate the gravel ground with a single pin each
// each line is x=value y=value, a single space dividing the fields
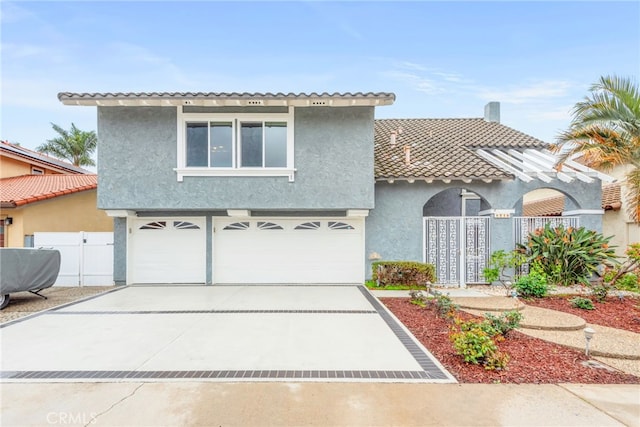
x=25 y=303
x=559 y=290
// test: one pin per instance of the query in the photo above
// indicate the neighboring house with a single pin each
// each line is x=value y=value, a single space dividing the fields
x=16 y=161
x=310 y=188
x=45 y=195
x=615 y=222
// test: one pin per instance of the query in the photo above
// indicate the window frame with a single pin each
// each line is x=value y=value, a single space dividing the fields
x=235 y=170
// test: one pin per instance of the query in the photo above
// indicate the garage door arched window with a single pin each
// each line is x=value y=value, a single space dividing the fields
x=237 y=226
x=155 y=225
x=262 y=225
x=185 y=225
x=334 y=225
x=308 y=226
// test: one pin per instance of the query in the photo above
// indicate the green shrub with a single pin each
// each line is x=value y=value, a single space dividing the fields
x=600 y=292
x=473 y=343
x=417 y=298
x=475 y=346
x=533 y=284
x=568 y=255
x=626 y=277
x=504 y=323
x=499 y=262
x=583 y=303
x=403 y=273
x=629 y=282
x=444 y=305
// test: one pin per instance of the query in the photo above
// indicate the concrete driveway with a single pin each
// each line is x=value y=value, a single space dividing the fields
x=217 y=333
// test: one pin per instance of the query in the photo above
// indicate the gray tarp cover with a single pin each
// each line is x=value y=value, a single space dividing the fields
x=24 y=269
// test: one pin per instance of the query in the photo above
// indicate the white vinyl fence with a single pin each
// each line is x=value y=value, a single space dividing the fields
x=86 y=257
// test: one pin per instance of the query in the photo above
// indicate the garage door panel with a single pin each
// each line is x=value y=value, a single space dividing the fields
x=168 y=251
x=289 y=251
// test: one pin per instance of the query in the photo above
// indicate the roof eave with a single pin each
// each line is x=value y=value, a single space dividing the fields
x=446 y=180
x=166 y=99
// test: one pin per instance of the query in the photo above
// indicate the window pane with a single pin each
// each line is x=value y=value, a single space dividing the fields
x=275 y=144
x=251 y=140
x=197 y=144
x=221 y=144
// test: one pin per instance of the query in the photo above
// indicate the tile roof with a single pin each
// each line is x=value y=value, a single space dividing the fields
x=16 y=150
x=554 y=206
x=335 y=99
x=20 y=190
x=443 y=148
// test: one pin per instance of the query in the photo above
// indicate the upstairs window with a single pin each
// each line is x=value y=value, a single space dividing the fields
x=235 y=144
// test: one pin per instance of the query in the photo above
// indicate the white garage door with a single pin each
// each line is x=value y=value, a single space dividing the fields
x=167 y=250
x=289 y=251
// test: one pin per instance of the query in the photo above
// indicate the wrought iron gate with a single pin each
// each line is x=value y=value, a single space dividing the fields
x=523 y=225
x=526 y=224
x=458 y=247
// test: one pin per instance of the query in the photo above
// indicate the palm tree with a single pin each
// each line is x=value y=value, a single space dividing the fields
x=605 y=130
x=74 y=145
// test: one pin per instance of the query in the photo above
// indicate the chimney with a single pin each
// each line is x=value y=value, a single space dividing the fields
x=392 y=138
x=492 y=112
x=407 y=155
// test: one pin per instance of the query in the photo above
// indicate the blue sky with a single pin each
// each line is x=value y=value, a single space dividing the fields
x=441 y=59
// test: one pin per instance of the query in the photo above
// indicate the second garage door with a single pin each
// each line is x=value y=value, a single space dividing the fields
x=167 y=250
x=289 y=251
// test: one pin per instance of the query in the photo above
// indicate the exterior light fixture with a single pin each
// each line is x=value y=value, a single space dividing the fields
x=588 y=334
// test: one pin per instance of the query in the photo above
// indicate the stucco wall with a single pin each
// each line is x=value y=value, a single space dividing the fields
x=12 y=167
x=395 y=226
x=137 y=152
x=120 y=234
x=73 y=212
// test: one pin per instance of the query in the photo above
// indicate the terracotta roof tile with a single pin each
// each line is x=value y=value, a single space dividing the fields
x=549 y=206
x=443 y=148
x=554 y=206
x=20 y=190
x=611 y=198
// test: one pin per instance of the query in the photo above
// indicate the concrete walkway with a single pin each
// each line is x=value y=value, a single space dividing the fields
x=317 y=404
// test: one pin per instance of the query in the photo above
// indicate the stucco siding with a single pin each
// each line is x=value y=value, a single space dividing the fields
x=137 y=152
x=395 y=226
x=10 y=167
x=120 y=248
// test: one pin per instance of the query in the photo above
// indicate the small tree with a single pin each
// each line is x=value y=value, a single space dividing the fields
x=502 y=267
x=75 y=146
x=631 y=264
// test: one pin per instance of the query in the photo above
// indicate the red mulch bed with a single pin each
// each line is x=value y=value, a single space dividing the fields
x=531 y=360
x=614 y=312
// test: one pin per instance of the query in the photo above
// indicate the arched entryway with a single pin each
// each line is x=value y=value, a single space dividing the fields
x=544 y=206
x=457 y=236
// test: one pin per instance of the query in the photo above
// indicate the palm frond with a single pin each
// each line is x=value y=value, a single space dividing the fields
x=605 y=130
x=75 y=146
